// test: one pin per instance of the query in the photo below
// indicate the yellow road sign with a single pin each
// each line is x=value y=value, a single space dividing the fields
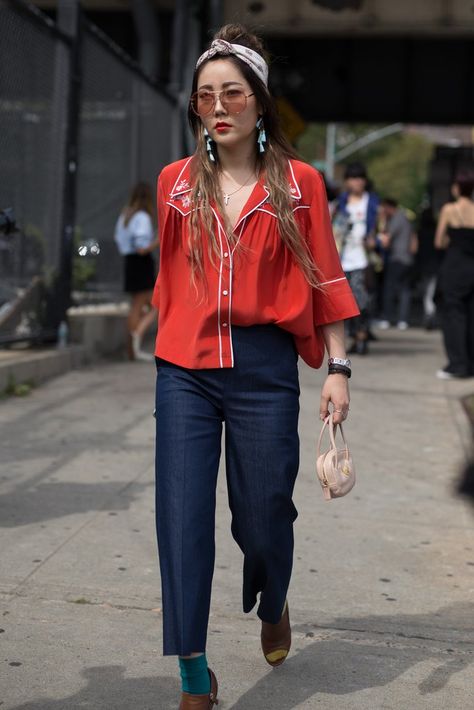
x=292 y=123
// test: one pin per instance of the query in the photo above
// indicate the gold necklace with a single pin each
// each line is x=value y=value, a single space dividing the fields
x=228 y=195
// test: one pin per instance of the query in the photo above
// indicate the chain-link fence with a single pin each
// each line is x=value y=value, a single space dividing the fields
x=33 y=93
x=124 y=136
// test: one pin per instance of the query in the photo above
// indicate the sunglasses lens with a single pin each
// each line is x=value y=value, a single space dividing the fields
x=234 y=100
x=202 y=102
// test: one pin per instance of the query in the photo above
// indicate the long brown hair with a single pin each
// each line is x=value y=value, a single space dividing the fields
x=141 y=199
x=273 y=163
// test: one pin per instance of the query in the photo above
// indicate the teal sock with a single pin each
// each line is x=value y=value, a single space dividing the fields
x=195 y=677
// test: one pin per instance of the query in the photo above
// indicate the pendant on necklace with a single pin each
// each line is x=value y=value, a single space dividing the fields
x=226 y=198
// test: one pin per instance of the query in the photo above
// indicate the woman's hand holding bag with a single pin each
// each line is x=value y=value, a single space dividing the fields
x=334 y=467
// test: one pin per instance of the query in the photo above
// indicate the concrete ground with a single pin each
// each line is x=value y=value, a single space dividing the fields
x=382 y=594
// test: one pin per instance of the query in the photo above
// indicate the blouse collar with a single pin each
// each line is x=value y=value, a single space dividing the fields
x=183 y=182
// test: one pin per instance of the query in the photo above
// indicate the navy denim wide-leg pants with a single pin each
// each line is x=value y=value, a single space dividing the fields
x=258 y=400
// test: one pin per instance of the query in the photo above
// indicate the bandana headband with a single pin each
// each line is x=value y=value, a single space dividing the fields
x=247 y=55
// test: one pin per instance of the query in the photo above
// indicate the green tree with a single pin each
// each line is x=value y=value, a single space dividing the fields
x=397 y=164
x=312 y=143
x=402 y=171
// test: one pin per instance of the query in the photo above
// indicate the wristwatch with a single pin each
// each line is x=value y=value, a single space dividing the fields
x=345 y=362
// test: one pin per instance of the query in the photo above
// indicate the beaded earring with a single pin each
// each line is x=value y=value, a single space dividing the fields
x=262 y=136
x=209 y=146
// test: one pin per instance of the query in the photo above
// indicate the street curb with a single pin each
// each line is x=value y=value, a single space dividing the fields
x=94 y=333
x=36 y=368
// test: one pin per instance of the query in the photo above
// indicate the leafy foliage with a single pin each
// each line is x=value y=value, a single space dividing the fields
x=397 y=164
x=402 y=172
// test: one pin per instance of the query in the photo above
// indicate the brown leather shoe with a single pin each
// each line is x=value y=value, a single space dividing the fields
x=276 y=639
x=201 y=702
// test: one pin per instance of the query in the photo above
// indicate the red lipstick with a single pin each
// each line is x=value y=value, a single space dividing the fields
x=221 y=126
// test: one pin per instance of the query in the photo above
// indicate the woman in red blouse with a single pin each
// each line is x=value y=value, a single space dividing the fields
x=249 y=279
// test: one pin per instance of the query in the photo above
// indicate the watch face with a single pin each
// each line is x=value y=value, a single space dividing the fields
x=340 y=361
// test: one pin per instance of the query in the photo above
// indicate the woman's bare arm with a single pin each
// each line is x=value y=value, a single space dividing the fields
x=336 y=387
x=441 y=238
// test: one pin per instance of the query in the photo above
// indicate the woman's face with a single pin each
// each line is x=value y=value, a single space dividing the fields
x=356 y=185
x=229 y=130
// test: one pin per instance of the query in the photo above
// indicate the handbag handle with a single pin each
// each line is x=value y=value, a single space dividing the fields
x=329 y=422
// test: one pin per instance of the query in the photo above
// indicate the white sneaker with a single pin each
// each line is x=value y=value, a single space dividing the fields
x=447 y=375
x=138 y=353
x=144 y=356
x=443 y=375
x=136 y=342
x=402 y=325
x=383 y=324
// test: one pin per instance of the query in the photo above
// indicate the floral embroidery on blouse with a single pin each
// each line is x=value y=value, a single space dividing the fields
x=183 y=185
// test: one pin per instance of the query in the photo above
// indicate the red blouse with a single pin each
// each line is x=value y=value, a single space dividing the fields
x=260 y=283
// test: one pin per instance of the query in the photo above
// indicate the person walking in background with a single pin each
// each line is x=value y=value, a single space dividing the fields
x=455 y=234
x=354 y=221
x=136 y=240
x=428 y=261
x=399 y=241
x=249 y=278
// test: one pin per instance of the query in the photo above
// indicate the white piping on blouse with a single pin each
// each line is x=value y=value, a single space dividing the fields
x=221 y=231
x=231 y=275
x=219 y=299
x=273 y=214
x=262 y=209
x=297 y=197
x=231 y=281
x=254 y=208
x=333 y=281
x=178 y=179
x=185 y=214
x=240 y=234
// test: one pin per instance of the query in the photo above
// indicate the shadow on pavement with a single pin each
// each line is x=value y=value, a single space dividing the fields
x=108 y=689
x=382 y=649
x=47 y=501
x=343 y=666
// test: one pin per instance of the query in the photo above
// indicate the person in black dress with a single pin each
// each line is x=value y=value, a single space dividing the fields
x=455 y=233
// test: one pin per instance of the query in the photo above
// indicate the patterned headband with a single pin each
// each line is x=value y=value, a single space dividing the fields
x=253 y=59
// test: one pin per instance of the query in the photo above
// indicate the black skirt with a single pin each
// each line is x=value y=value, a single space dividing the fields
x=139 y=273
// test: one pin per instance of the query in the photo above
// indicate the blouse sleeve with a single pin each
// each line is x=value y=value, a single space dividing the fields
x=333 y=299
x=142 y=230
x=161 y=210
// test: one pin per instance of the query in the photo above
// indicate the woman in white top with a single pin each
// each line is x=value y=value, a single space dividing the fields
x=136 y=240
x=357 y=211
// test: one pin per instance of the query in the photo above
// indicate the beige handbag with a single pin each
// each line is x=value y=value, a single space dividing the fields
x=334 y=467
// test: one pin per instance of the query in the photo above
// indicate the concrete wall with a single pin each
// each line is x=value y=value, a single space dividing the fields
x=100 y=329
x=94 y=332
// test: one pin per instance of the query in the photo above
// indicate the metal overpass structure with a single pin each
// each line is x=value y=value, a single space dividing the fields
x=334 y=60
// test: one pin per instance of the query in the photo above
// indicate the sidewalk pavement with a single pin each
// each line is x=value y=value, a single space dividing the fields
x=382 y=593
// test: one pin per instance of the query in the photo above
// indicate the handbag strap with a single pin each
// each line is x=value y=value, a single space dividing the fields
x=329 y=422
